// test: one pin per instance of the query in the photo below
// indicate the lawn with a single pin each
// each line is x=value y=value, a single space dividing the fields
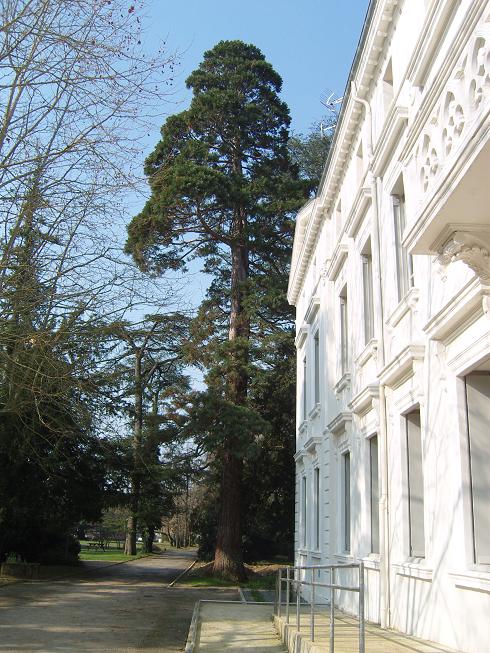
x=258 y=582
x=109 y=554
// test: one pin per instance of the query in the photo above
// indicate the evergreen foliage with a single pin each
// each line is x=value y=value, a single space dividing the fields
x=224 y=189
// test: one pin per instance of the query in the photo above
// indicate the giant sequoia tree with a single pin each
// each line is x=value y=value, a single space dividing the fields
x=223 y=189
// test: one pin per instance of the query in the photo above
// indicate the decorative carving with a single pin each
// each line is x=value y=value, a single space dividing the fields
x=470 y=249
x=454 y=120
x=465 y=94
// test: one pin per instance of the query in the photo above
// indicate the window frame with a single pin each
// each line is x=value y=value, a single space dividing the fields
x=344 y=331
x=374 y=504
x=411 y=460
x=403 y=260
x=479 y=560
x=368 y=296
x=316 y=366
x=346 y=516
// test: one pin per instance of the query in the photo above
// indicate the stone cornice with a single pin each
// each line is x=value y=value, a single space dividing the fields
x=367 y=60
x=312 y=309
x=301 y=336
x=340 y=422
x=426 y=45
x=358 y=211
x=338 y=259
x=363 y=402
x=455 y=316
x=311 y=444
x=402 y=367
x=394 y=124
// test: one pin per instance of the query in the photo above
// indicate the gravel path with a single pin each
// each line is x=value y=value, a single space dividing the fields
x=124 y=608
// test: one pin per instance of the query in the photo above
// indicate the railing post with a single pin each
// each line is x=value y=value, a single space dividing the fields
x=298 y=599
x=332 y=611
x=287 y=595
x=312 y=600
x=279 y=583
x=362 y=632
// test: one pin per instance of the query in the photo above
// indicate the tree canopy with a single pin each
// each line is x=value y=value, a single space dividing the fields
x=224 y=189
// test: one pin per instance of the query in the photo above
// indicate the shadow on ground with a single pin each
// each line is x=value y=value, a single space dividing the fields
x=125 y=608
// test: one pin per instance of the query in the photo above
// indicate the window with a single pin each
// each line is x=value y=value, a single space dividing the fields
x=404 y=271
x=346 y=502
x=374 y=492
x=388 y=91
x=338 y=218
x=303 y=510
x=317 y=507
x=415 y=485
x=344 y=333
x=367 y=281
x=316 y=342
x=305 y=388
x=359 y=162
x=478 y=420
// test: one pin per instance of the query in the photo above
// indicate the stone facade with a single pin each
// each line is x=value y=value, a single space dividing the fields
x=390 y=277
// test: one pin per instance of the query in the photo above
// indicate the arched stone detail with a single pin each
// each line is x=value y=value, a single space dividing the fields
x=465 y=95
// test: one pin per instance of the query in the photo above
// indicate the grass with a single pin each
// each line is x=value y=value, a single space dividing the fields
x=109 y=554
x=266 y=582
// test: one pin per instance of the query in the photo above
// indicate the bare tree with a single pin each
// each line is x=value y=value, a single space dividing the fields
x=76 y=92
x=76 y=88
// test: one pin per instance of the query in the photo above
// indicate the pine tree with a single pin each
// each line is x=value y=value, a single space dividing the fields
x=223 y=189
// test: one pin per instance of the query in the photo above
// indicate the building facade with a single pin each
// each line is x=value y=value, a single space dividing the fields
x=390 y=277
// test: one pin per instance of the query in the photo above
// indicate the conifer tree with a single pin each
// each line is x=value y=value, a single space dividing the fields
x=224 y=189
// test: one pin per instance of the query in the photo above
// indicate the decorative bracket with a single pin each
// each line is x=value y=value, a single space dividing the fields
x=469 y=248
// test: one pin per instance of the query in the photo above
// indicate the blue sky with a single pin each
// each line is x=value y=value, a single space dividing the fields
x=311 y=43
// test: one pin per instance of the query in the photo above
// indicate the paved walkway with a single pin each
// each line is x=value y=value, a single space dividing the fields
x=124 y=608
x=237 y=628
x=347 y=637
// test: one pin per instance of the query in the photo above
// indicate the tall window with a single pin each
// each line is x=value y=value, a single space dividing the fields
x=374 y=493
x=367 y=282
x=346 y=501
x=478 y=421
x=317 y=507
x=404 y=270
x=344 y=333
x=303 y=510
x=388 y=91
x=316 y=342
x=338 y=218
x=305 y=388
x=415 y=485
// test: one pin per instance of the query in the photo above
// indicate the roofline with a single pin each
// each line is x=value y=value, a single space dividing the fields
x=347 y=90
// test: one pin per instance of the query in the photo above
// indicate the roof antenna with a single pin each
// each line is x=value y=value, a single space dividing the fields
x=332 y=103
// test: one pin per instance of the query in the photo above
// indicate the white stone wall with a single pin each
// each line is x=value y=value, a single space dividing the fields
x=416 y=122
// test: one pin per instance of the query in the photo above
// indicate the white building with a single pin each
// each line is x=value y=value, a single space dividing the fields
x=391 y=280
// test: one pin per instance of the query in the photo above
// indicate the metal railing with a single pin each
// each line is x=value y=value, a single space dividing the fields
x=291 y=577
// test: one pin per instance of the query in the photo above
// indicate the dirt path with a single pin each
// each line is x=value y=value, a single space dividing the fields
x=126 y=608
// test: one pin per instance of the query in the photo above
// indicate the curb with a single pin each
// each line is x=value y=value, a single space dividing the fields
x=182 y=574
x=191 y=637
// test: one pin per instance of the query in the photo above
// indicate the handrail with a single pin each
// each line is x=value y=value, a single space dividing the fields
x=333 y=585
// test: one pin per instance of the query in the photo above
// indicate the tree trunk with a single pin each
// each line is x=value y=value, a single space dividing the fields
x=130 y=542
x=228 y=561
x=130 y=546
x=148 y=539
